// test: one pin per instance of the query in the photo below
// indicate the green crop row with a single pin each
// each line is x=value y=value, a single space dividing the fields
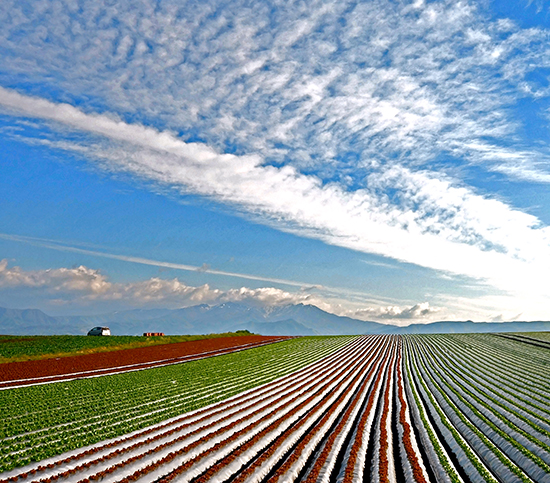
x=444 y=418
x=459 y=402
x=46 y=420
x=543 y=336
x=442 y=456
x=507 y=381
x=485 y=389
x=527 y=360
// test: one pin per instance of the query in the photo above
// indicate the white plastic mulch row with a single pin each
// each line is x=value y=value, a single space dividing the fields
x=479 y=413
x=476 y=372
x=517 y=367
x=328 y=467
x=313 y=407
x=432 y=407
x=452 y=408
x=336 y=404
x=207 y=462
x=124 y=442
x=507 y=411
x=361 y=460
x=414 y=443
x=424 y=427
x=82 y=427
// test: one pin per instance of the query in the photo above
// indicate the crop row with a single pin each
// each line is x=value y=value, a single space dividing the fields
x=335 y=419
x=27 y=381
x=213 y=412
x=44 y=421
x=476 y=408
x=441 y=408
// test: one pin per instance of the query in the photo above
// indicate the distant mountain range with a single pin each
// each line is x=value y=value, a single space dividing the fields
x=204 y=319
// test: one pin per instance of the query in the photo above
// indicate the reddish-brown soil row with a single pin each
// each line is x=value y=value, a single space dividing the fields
x=407 y=441
x=323 y=456
x=329 y=375
x=142 y=355
x=324 y=370
x=349 y=474
x=275 y=444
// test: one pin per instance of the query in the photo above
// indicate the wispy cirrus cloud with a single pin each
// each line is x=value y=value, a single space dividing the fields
x=320 y=293
x=335 y=87
x=340 y=121
x=434 y=223
x=56 y=245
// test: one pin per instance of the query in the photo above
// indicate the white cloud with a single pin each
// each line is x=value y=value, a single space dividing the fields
x=418 y=311
x=364 y=95
x=175 y=293
x=80 y=279
x=83 y=285
x=435 y=224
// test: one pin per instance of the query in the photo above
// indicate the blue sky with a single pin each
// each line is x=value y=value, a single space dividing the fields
x=384 y=160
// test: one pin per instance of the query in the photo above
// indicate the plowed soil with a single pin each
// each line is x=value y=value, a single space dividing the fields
x=116 y=360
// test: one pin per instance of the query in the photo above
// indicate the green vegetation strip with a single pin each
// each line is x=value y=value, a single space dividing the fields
x=443 y=417
x=544 y=336
x=47 y=420
x=26 y=348
x=502 y=433
x=486 y=441
x=433 y=438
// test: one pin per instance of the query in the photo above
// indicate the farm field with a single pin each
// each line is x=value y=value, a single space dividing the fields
x=15 y=374
x=419 y=408
x=536 y=338
x=14 y=348
x=45 y=420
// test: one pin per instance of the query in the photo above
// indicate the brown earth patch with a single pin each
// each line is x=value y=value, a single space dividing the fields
x=162 y=354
